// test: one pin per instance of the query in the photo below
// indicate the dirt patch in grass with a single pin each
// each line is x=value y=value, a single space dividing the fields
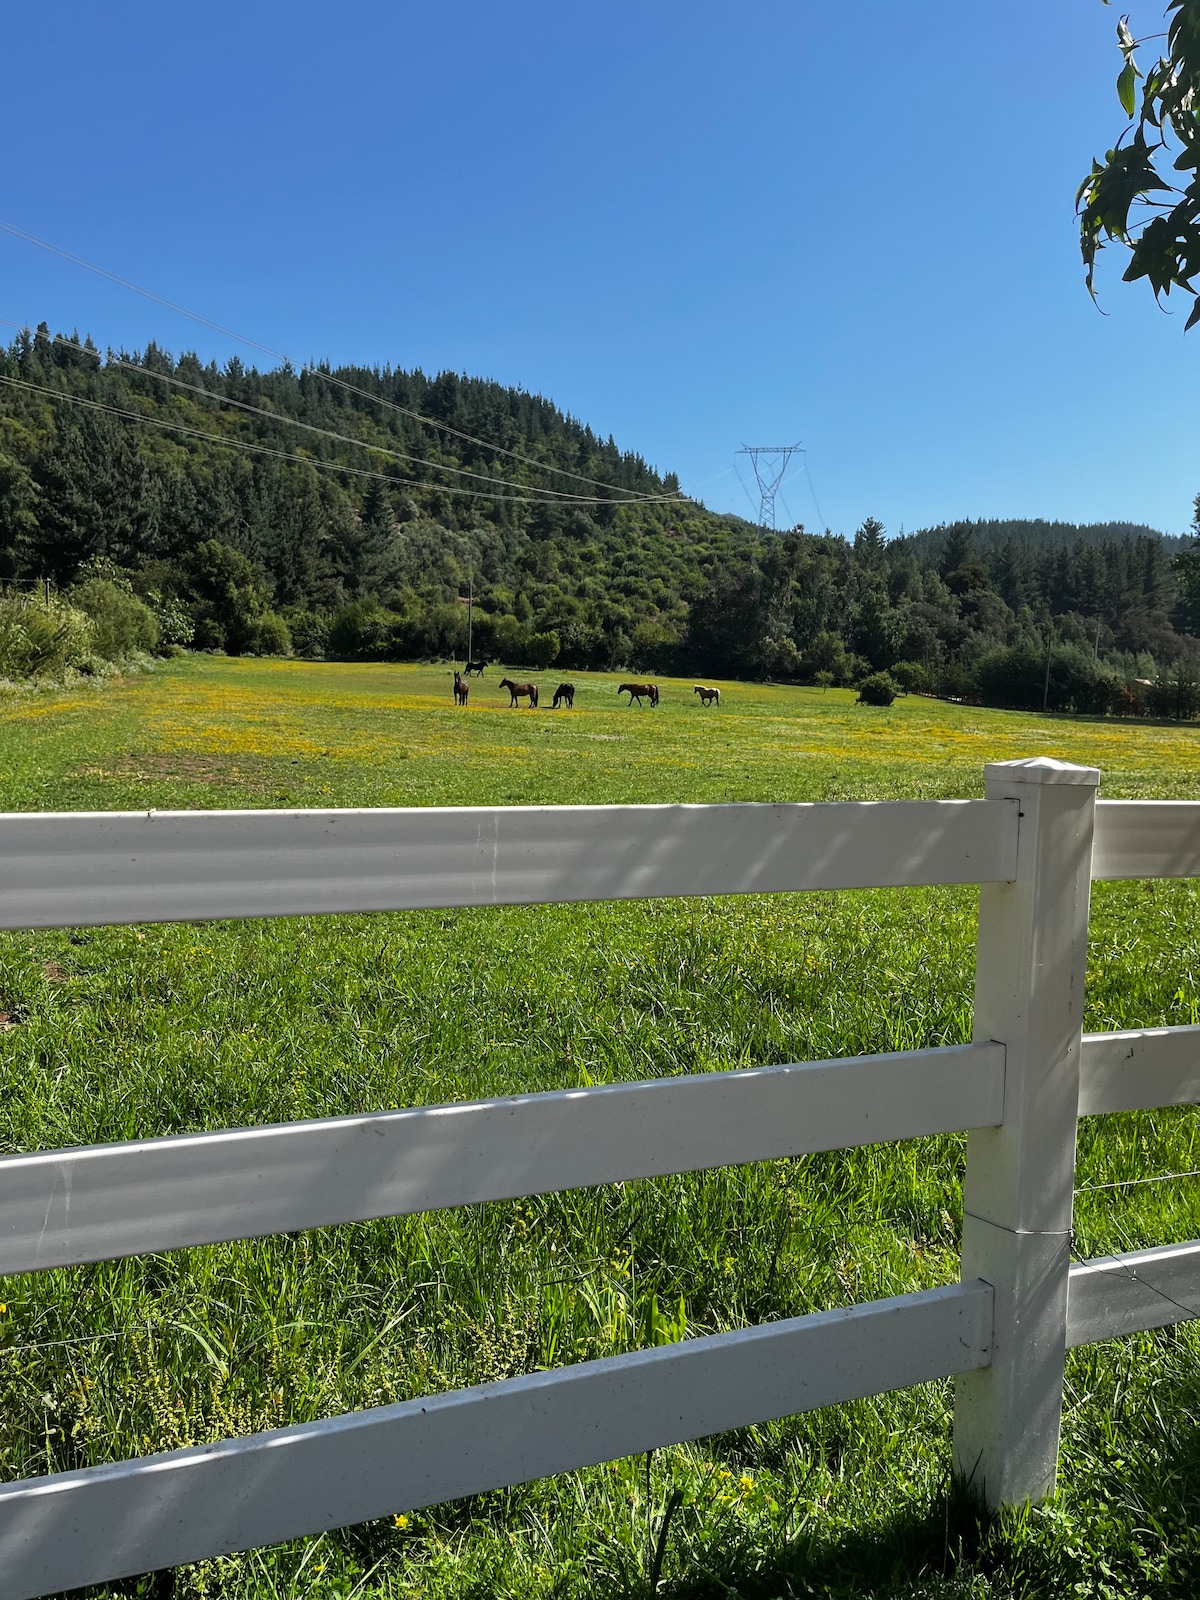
x=179 y=767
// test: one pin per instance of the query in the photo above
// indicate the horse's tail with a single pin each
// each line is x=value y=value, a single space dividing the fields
x=534 y=698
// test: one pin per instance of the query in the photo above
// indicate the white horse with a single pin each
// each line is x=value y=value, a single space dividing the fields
x=707 y=695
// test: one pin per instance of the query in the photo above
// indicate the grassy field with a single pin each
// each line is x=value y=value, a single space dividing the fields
x=112 y=1034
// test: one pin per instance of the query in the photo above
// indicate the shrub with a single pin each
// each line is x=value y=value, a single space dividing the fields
x=909 y=675
x=362 y=631
x=510 y=638
x=268 y=636
x=121 y=624
x=877 y=690
x=40 y=638
x=176 y=629
x=541 y=650
x=1176 y=693
x=828 y=653
x=309 y=631
x=1017 y=677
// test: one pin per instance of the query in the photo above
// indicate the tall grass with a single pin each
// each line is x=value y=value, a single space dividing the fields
x=121 y=1033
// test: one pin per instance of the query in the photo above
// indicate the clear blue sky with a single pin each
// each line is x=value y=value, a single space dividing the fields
x=691 y=225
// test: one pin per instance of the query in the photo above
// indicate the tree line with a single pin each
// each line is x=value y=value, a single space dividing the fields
x=346 y=512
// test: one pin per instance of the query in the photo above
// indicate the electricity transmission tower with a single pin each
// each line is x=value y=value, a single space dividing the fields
x=770 y=463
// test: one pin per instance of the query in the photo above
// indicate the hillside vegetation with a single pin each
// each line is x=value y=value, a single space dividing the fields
x=344 y=513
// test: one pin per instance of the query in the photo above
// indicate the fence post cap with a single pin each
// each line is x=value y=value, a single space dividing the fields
x=1041 y=769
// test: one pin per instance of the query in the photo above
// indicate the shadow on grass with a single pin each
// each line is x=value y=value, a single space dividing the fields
x=1125 y=1522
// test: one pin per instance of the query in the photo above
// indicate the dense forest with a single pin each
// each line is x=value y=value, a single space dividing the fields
x=345 y=512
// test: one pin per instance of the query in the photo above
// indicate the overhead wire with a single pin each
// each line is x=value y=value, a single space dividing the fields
x=285 y=455
x=140 y=370
x=318 y=372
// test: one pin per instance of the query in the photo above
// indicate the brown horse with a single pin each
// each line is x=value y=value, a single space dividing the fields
x=564 y=695
x=520 y=691
x=461 y=689
x=635 y=691
x=707 y=696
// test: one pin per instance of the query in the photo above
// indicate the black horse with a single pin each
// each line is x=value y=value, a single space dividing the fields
x=475 y=668
x=564 y=695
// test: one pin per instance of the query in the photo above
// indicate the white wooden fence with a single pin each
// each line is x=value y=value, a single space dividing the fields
x=1033 y=845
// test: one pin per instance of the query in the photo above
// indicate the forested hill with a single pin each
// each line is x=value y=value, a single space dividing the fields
x=989 y=536
x=346 y=511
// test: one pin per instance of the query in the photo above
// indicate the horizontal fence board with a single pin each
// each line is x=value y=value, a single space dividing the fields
x=1138 y=1069
x=1129 y=1293
x=76 y=869
x=105 y=1201
x=1147 y=839
x=103 y=1523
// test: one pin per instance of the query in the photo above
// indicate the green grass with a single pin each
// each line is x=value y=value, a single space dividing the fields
x=121 y=1033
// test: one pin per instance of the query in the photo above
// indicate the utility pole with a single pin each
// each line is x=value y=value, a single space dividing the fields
x=469 y=602
x=770 y=462
x=1096 y=646
x=1046 y=684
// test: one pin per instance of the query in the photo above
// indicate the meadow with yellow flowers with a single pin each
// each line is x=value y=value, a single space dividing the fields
x=130 y=1032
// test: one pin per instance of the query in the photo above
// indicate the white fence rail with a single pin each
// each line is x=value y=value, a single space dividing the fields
x=1034 y=845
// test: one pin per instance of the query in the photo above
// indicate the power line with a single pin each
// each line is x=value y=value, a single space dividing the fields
x=328 y=377
x=284 y=455
x=294 y=422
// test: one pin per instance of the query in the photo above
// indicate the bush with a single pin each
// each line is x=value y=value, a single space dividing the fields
x=1017 y=677
x=541 y=650
x=121 y=624
x=176 y=629
x=877 y=690
x=510 y=638
x=828 y=653
x=1176 y=693
x=362 y=631
x=268 y=636
x=41 y=638
x=909 y=675
x=309 y=631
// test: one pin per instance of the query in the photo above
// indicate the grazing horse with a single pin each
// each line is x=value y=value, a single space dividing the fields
x=461 y=689
x=707 y=695
x=564 y=695
x=475 y=667
x=635 y=691
x=519 y=691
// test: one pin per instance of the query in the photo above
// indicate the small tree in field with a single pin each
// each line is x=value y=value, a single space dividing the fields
x=877 y=690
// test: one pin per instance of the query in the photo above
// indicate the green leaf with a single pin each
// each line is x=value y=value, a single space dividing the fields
x=1127 y=86
x=1195 y=316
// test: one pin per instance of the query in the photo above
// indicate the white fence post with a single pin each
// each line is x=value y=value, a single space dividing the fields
x=1029 y=983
